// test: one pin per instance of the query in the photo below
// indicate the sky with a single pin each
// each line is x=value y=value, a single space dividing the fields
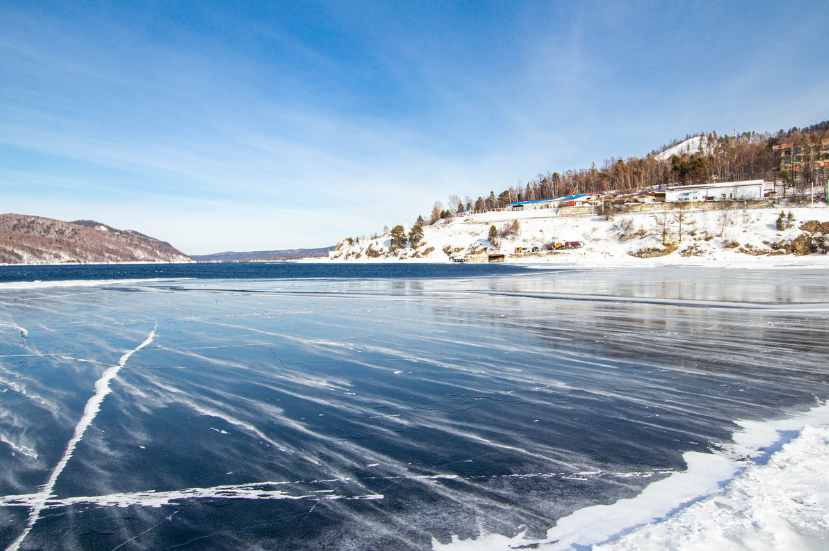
x=246 y=126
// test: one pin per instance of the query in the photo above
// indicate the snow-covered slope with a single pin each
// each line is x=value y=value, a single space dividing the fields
x=689 y=146
x=731 y=236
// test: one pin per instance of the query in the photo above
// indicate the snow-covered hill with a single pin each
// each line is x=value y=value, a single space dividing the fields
x=689 y=146
x=38 y=240
x=734 y=235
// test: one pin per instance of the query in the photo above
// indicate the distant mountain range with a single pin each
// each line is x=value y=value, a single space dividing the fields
x=38 y=240
x=284 y=254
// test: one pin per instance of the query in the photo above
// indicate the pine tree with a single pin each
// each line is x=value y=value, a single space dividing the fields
x=782 y=222
x=398 y=237
x=493 y=236
x=416 y=234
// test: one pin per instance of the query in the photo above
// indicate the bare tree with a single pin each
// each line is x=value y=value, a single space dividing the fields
x=455 y=204
x=436 y=210
x=662 y=220
x=725 y=216
x=683 y=218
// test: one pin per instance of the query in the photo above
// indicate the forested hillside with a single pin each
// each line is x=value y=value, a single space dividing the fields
x=38 y=240
x=714 y=157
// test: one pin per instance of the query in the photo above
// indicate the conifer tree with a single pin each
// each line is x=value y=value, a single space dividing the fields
x=416 y=234
x=493 y=236
x=398 y=237
x=782 y=222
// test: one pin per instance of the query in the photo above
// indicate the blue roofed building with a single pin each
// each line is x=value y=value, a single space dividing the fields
x=558 y=202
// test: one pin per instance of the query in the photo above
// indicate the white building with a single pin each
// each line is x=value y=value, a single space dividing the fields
x=558 y=202
x=747 y=190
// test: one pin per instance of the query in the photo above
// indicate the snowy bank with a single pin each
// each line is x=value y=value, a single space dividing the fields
x=779 y=499
x=781 y=505
x=733 y=237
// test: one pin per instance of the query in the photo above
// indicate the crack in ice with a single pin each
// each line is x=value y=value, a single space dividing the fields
x=90 y=410
x=151 y=498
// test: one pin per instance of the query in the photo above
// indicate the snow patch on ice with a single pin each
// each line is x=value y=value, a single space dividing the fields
x=256 y=491
x=19 y=448
x=780 y=505
x=209 y=412
x=22 y=285
x=23 y=333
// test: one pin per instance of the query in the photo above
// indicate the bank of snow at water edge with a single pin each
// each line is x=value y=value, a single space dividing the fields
x=744 y=237
x=766 y=493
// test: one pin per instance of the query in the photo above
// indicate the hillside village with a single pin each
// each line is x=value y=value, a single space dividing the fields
x=685 y=203
x=725 y=222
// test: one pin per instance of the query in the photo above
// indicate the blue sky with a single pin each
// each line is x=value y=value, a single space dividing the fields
x=249 y=126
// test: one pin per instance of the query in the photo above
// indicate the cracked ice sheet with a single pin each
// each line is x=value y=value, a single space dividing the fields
x=469 y=411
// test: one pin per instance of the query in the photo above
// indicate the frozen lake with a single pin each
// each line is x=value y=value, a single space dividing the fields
x=348 y=407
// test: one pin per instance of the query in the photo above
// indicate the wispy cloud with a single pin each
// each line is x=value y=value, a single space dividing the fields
x=342 y=120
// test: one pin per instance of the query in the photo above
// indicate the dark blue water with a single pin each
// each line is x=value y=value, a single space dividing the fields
x=252 y=270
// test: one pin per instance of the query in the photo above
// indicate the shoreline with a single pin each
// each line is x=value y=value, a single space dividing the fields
x=661 y=510
x=690 y=237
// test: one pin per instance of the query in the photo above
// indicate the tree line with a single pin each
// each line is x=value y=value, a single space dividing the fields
x=720 y=158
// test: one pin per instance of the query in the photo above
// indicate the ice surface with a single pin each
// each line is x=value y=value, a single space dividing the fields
x=755 y=511
x=393 y=414
x=90 y=410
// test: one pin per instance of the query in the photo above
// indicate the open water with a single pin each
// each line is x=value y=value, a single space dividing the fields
x=311 y=406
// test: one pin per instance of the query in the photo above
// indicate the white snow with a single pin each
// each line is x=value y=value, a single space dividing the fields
x=24 y=334
x=689 y=146
x=256 y=491
x=23 y=285
x=781 y=504
x=18 y=448
x=724 y=238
